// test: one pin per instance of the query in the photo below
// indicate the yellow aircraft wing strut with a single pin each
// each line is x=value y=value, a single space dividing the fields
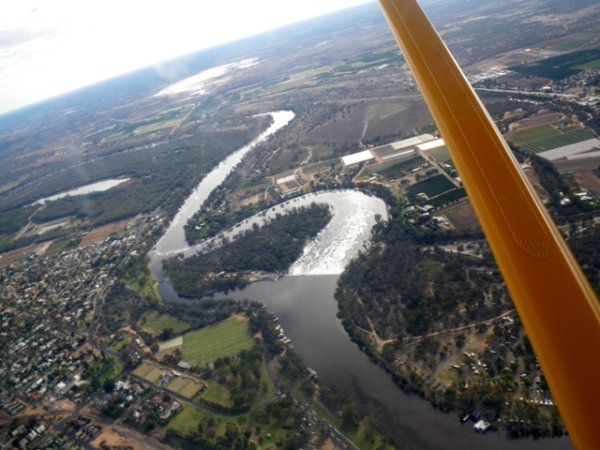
x=558 y=307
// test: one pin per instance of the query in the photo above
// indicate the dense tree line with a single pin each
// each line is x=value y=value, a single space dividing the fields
x=242 y=376
x=272 y=248
x=587 y=251
x=407 y=286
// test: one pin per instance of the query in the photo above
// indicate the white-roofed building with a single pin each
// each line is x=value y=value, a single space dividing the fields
x=577 y=150
x=431 y=145
x=412 y=142
x=285 y=179
x=357 y=158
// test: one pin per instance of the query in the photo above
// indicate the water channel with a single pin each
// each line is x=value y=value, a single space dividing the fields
x=304 y=302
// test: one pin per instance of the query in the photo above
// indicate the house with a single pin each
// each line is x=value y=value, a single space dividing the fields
x=481 y=426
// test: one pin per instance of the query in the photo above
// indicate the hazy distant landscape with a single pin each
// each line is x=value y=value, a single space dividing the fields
x=104 y=349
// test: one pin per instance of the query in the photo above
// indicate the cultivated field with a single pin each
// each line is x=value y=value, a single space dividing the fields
x=532 y=134
x=224 y=339
x=542 y=138
x=562 y=66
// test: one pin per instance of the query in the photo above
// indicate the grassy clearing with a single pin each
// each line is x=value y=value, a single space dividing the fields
x=122 y=341
x=103 y=369
x=227 y=338
x=115 y=137
x=432 y=186
x=217 y=394
x=571 y=45
x=187 y=420
x=593 y=65
x=143 y=283
x=150 y=128
x=156 y=323
x=62 y=245
x=367 y=438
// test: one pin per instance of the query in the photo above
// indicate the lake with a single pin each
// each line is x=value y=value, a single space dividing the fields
x=99 y=186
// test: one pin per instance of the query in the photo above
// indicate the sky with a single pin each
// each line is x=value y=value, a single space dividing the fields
x=48 y=47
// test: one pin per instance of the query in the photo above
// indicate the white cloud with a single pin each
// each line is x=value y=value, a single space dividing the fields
x=53 y=46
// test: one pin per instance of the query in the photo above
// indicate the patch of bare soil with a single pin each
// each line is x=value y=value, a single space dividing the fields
x=589 y=181
x=110 y=439
x=461 y=215
x=101 y=233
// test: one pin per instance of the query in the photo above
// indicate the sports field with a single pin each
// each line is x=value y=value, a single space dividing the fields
x=179 y=385
x=396 y=166
x=149 y=372
x=432 y=186
x=227 y=338
x=185 y=387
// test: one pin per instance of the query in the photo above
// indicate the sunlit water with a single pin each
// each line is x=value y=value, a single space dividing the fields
x=100 y=186
x=173 y=241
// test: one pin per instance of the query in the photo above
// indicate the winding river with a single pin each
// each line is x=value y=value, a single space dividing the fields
x=304 y=302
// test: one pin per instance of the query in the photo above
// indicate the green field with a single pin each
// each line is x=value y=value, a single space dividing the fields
x=143 y=283
x=396 y=167
x=562 y=66
x=227 y=338
x=122 y=341
x=156 y=323
x=115 y=137
x=528 y=135
x=593 y=65
x=217 y=394
x=571 y=45
x=432 y=186
x=107 y=368
x=150 y=128
x=62 y=245
x=551 y=142
x=187 y=420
